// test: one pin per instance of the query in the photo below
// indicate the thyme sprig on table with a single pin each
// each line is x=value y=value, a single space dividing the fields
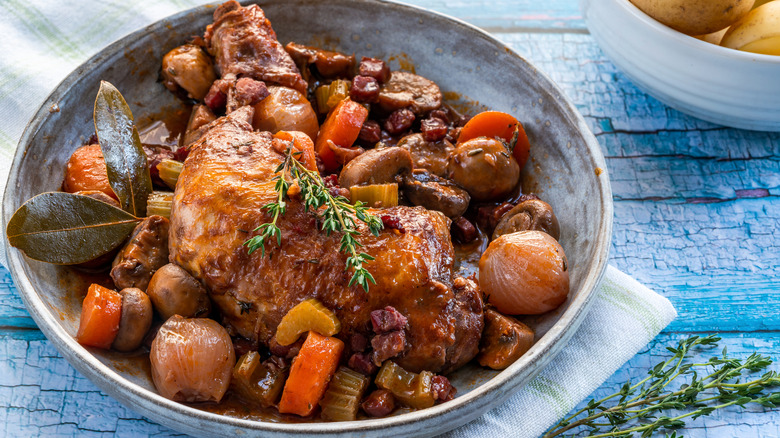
x=335 y=213
x=709 y=386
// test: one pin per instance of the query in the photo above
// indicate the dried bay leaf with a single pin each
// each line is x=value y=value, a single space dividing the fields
x=65 y=228
x=128 y=173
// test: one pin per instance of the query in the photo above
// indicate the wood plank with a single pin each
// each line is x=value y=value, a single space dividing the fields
x=512 y=15
x=41 y=394
x=727 y=423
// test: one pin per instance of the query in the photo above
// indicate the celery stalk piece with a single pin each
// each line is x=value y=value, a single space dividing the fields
x=159 y=203
x=375 y=195
x=170 y=171
x=342 y=399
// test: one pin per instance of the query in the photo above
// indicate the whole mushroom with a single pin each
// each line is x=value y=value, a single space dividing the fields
x=190 y=68
x=135 y=321
x=174 y=291
x=533 y=214
x=484 y=167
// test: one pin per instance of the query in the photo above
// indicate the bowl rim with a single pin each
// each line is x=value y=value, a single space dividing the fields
x=456 y=412
x=688 y=40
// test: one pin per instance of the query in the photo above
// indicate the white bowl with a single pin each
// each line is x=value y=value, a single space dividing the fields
x=720 y=85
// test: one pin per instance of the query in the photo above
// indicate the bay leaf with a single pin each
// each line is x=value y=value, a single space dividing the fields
x=65 y=228
x=128 y=173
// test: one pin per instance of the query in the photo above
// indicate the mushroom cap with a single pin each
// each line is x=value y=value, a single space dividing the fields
x=533 y=214
x=376 y=166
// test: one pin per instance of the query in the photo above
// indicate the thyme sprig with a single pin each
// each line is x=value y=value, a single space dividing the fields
x=636 y=406
x=335 y=213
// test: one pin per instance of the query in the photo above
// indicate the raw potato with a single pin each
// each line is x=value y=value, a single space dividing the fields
x=695 y=17
x=757 y=32
x=714 y=37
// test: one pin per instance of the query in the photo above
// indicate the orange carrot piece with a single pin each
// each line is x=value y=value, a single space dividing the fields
x=100 y=315
x=497 y=124
x=86 y=170
x=310 y=374
x=301 y=143
x=342 y=127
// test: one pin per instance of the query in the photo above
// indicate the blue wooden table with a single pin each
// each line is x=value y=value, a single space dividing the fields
x=697 y=218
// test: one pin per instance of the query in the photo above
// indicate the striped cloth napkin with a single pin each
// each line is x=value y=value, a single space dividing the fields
x=45 y=40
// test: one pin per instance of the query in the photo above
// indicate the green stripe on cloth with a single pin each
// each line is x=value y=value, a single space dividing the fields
x=555 y=393
x=102 y=25
x=632 y=304
x=11 y=78
x=7 y=144
x=43 y=29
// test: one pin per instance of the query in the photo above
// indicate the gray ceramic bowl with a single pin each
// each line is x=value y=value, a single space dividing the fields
x=566 y=168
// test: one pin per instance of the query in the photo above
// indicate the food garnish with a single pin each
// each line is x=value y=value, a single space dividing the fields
x=335 y=213
x=126 y=163
x=716 y=384
x=67 y=229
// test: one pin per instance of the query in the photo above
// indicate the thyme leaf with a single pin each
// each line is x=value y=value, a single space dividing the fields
x=720 y=382
x=336 y=215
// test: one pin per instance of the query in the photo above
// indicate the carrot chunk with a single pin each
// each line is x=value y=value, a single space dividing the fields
x=310 y=374
x=301 y=142
x=100 y=315
x=498 y=124
x=342 y=127
x=86 y=170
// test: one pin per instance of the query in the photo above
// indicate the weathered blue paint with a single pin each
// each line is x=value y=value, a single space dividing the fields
x=697 y=218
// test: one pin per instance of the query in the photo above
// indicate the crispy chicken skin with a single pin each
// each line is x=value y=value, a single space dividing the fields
x=244 y=44
x=225 y=182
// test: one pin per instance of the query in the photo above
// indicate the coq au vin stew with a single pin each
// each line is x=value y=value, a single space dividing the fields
x=303 y=245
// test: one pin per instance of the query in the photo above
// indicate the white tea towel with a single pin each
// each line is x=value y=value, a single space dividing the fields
x=44 y=40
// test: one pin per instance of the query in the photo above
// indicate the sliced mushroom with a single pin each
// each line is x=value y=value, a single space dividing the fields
x=329 y=64
x=434 y=193
x=533 y=214
x=504 y=340
x=408 y=90
x=143 y=255
x=135 y=321
x=428 y=155
x=376 y=166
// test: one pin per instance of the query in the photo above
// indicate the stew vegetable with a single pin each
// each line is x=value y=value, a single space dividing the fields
x=357 y=183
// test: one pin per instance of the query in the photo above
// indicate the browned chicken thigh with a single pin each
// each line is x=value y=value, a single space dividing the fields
x=244 y=44
x=226 y=180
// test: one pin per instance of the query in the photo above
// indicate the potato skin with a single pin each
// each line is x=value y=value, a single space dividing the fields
x=695 y=17
x=757 y=32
